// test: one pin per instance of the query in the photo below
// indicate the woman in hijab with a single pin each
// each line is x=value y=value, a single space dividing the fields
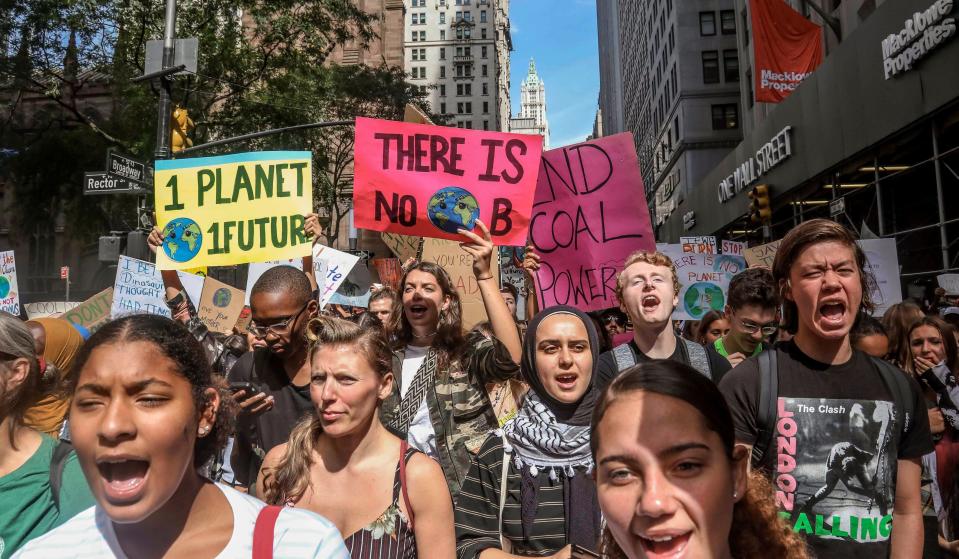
x=63 y=342
x=529 y=491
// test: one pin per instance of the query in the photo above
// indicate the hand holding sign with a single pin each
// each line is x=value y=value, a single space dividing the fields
x=481 y=249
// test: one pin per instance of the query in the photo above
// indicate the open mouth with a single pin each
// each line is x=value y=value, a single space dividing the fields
x=665 y=545
x=417 y=310
x=832 y=312
x=567 y=381
x=650 y=303
x=123 y=478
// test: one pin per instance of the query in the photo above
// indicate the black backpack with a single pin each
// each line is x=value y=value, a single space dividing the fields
x=895 y=380
x=57 y=463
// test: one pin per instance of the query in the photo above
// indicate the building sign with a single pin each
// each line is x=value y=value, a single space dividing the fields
x=666 y=203
x=787 y=48
x=919 y=35
x=774 y=152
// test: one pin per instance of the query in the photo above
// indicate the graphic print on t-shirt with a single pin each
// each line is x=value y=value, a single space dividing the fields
x=835 y=467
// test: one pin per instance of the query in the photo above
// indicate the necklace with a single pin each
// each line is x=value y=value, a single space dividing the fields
x=421 y=336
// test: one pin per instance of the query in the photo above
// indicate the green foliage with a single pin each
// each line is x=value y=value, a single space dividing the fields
x=262 y=65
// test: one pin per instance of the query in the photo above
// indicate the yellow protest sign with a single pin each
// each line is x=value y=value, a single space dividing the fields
x=233 y=209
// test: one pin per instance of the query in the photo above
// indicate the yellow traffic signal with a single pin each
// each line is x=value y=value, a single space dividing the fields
x=760 y=209
x=180 y=125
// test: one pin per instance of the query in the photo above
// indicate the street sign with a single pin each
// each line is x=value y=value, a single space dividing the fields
x=184 y=52
x=64 y=272
x=102 y=183
x=123 y=167
x=837 y=207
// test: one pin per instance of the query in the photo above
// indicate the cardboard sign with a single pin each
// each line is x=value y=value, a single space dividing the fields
x=138 y=289
x=256 y=269
x=403 y=246
x=93 y=312
x=699 y=245
x=949 y=282
x=733 y=247
x=355 y=289
x=763 y=255
x=333 y=266
x=9 y=292
x=431 y=181
x=389 y=271
x=45 y=309
x=703 y=279
x=512 y=273
x=883 y=261
x=220 y=306
x=233 y=209
x=590 y=214
x=459 y=265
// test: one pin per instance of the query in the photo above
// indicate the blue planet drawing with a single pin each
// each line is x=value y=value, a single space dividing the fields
x=702 y=297
x=453 y=208
x=182 y=239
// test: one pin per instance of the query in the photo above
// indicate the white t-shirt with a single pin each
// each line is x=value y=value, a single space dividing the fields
x=298 y=534
x=421 y=435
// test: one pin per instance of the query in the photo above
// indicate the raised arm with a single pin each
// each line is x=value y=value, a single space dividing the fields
x=531 y=263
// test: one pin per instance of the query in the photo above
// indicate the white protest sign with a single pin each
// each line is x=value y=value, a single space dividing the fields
x=949 y=282
x=355 y=289
x=703 y=279
x=338 y=266
x=883 y=261
x=138 y=289
x=9 y=292
x=256 y=269
x=193 y=285
x=733 y=247
x=44 y=309
x=699 y=245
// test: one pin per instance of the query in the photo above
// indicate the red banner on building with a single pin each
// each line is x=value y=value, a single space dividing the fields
x=787 y=48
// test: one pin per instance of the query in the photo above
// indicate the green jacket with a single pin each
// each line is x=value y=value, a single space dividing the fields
x=459 y=404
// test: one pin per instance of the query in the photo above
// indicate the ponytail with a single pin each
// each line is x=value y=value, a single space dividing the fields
x=290 y=479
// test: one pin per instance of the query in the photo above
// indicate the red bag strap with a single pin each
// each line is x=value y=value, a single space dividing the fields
x=263 y=532
x=404 y=446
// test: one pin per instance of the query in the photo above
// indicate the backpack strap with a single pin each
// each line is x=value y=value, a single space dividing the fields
x=698 y=359
x=57 y=464
x=766 y=412
x=404 y=456
x=897 y=383
x=263 y=531
x=624 y=357
x=504 y=543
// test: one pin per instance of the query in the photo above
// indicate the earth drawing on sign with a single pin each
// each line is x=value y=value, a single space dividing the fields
x=182 y=239
x=221 y=297
x=4 y=287
x=453 y=208
x=702 y=297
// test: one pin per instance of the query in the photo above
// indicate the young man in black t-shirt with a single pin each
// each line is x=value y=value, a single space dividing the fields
x=648 y=291
x=848 y=433
x=282 y=304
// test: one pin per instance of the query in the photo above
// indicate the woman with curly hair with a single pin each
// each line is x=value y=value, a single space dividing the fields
x=671 y=480
x=388 y=500
x=146 y=416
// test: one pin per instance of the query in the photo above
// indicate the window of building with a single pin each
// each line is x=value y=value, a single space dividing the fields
x=443 y=108
x=710 y=66
x=467 y=16
x=442 y=34
x=727 y=19
x=459 y=90
x=483 y=33
x=707 y=23
x=483 y=51
x=416 y=37
x=749 y=89
x=442 y=53
x=442 y=17
x=442 y=90
x=482 y=16
x=422 y=35
x=485 y=107
x=485 y=70
x=459 y=16
x=485 y=125
x=676 y=128
x=745 y=20
x=416 y=54
x=468 y=89
x=459 y=108
x=469 y=108
x=442 y=71
x=731 y=65
x=469 y=124
x=485 y=89
x=725 y=117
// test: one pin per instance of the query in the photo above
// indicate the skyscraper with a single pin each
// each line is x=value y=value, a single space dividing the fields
x=457 y=51
x=532 y=114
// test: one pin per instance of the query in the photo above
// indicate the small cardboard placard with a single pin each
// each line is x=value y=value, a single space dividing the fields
x=220 y=306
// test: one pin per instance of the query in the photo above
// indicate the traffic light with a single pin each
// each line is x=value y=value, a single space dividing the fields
x=180 y=126
x=760 y=210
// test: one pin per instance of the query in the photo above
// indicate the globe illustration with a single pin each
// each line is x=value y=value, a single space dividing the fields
x=4 y=287
x=702 y=297
x=182 y=239
x=221 y=297
x=453 y=208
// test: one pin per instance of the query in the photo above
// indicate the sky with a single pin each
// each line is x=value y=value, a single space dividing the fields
x=560 y=35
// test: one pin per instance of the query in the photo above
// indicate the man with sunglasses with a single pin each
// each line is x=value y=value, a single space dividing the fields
x=752 y=307
x=271 y=385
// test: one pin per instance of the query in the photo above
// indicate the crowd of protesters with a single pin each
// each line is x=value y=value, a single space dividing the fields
x=790 y=424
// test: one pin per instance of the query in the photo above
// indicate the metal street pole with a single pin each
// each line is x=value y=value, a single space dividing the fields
x=165 y=105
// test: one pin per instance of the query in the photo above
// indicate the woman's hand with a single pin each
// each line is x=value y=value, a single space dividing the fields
x=937 y=423
x=155 y=239
x=921 y=365
x=312 y=227
x=481 y=249
x=531 y=260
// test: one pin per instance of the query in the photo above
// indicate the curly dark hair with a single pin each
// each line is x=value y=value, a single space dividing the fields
x=176 y=343
x=757 y=530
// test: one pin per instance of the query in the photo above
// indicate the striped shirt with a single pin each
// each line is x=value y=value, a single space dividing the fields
x=298 y=534
x=477 y=509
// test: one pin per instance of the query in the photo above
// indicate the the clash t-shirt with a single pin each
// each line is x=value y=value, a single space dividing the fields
x=835 y=447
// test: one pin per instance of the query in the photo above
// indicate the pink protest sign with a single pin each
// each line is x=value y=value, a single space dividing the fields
x=589 y=214
x=431 y=181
